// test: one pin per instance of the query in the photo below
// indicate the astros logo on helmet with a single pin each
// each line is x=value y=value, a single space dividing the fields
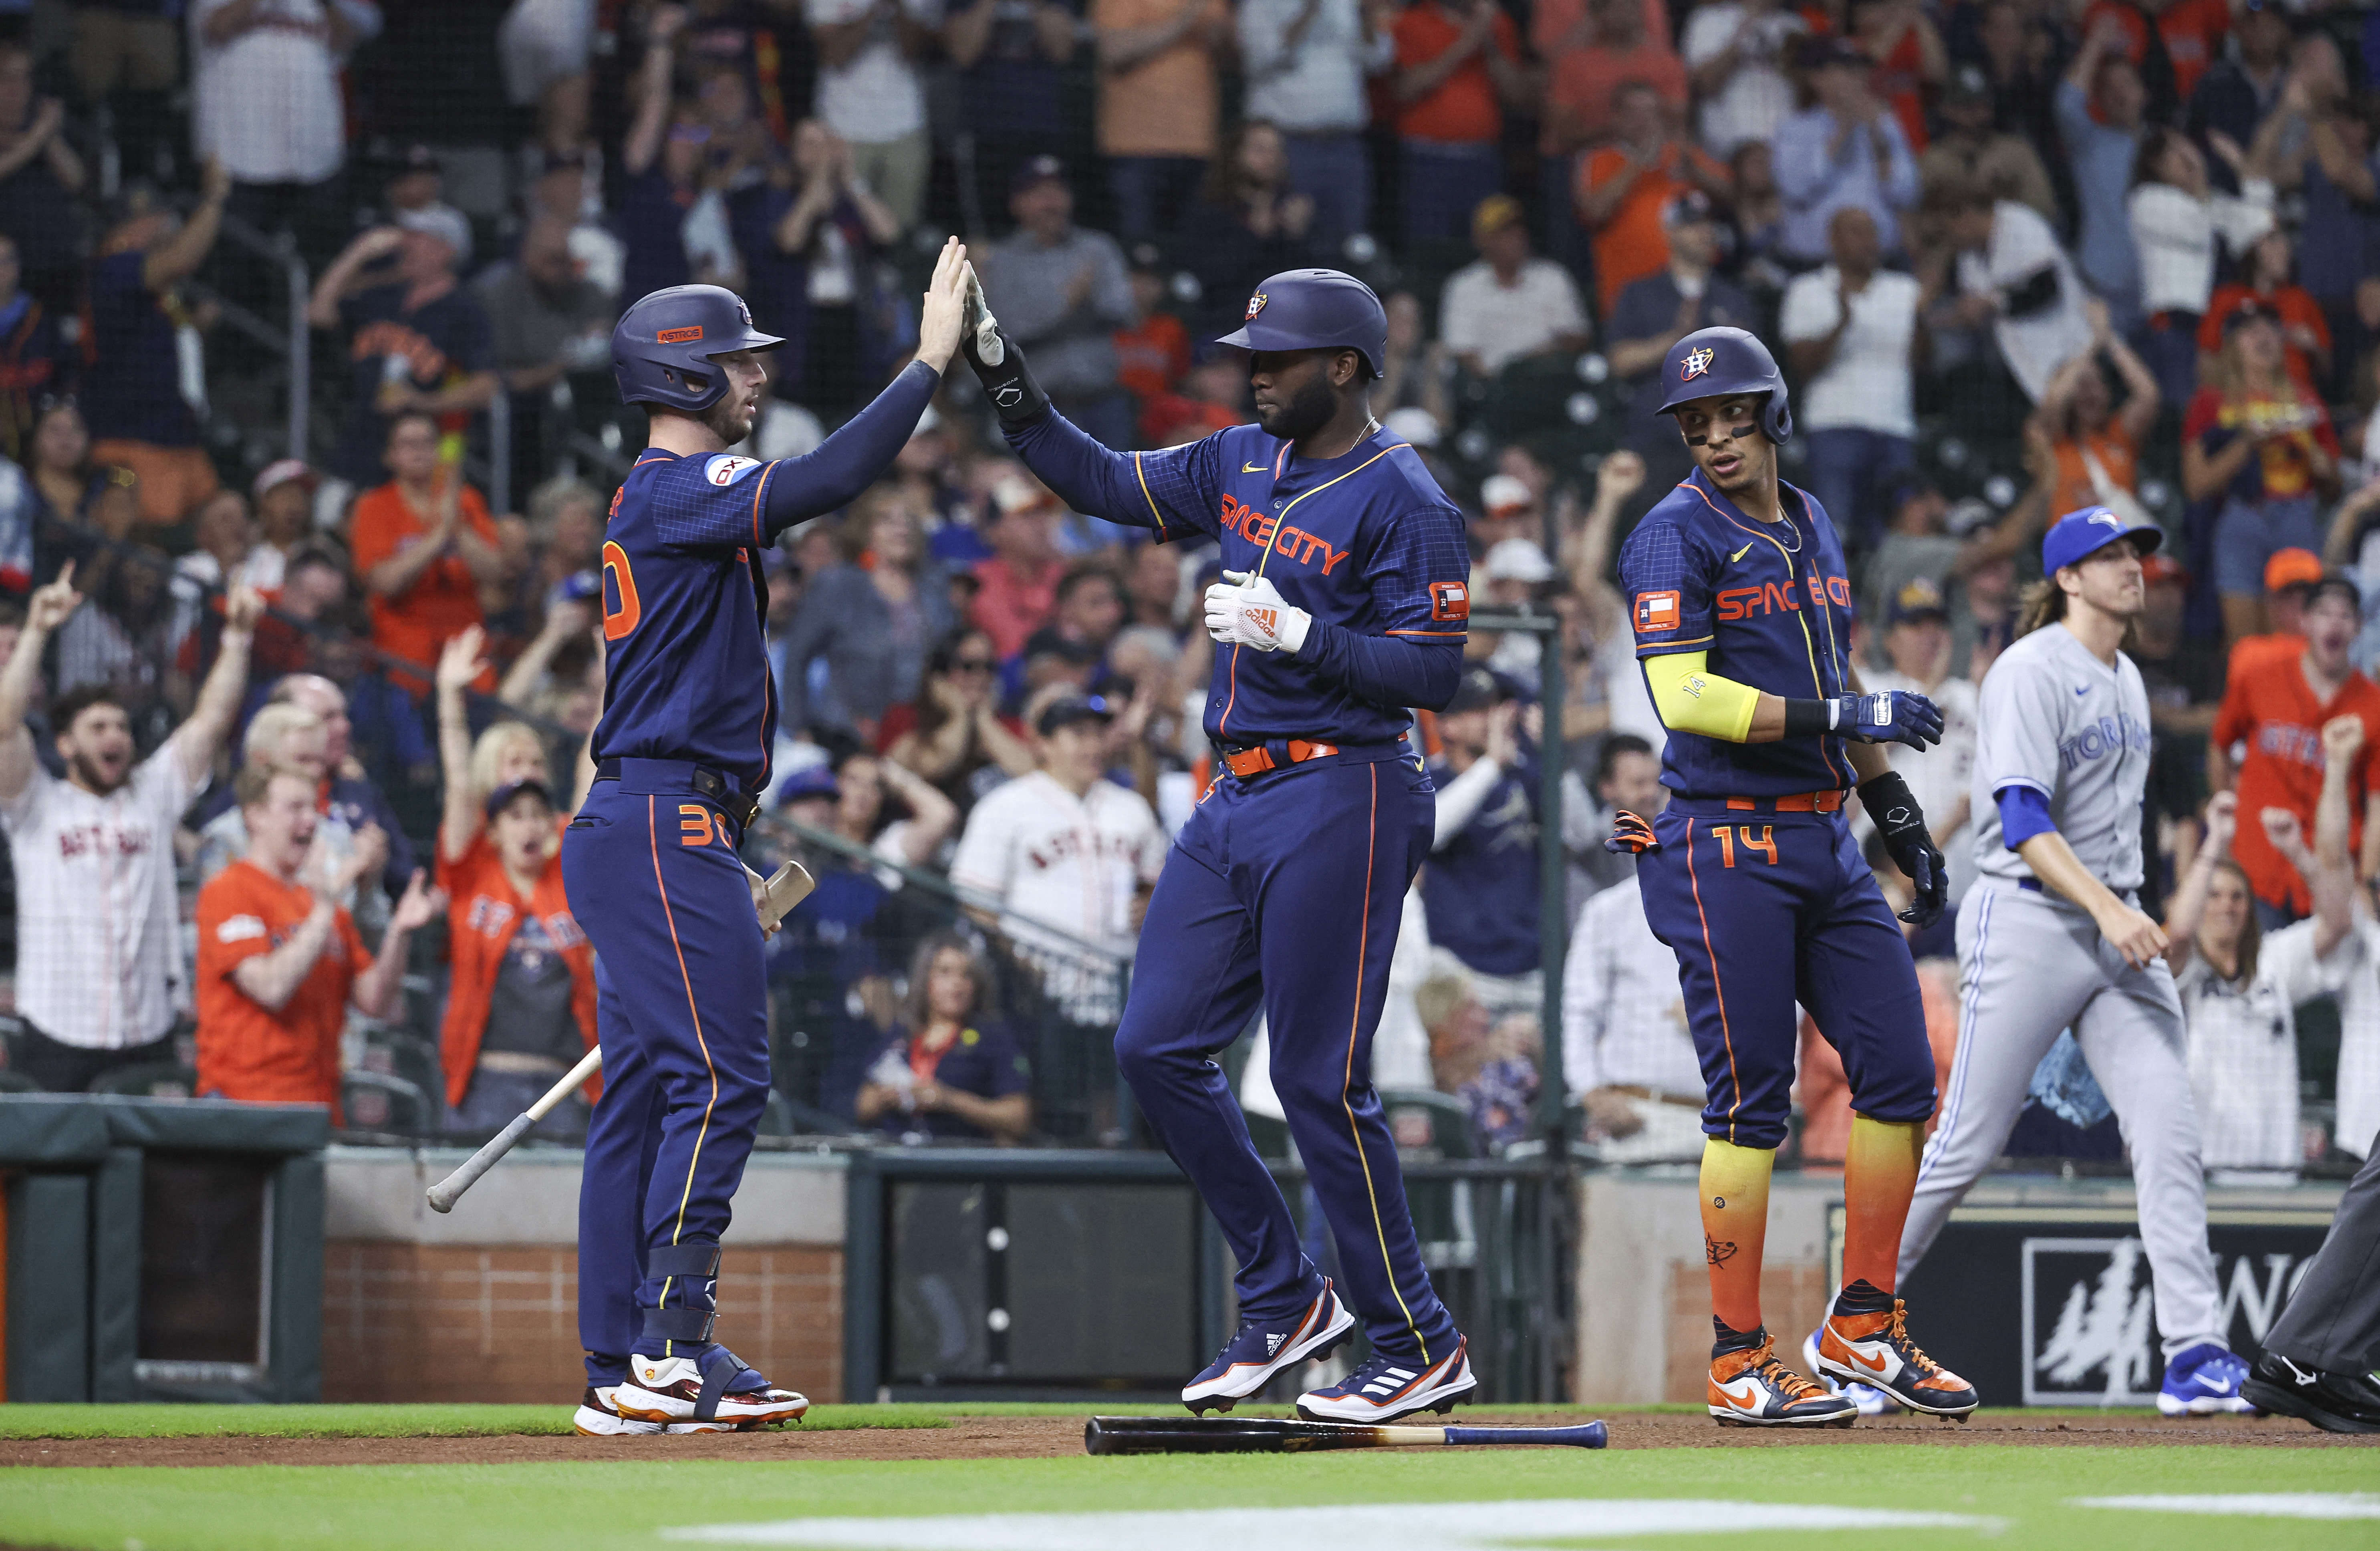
x=1255 y=305
x=1695 y=364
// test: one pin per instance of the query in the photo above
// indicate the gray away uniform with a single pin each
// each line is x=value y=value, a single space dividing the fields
x=2056 y=719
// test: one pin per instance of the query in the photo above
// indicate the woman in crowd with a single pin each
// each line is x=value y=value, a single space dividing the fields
x=952 y=1072
x=915 y=837
x=954 y=736
x=873 y=618
x=1251 y=223
x=2239 y=984
x=2083 y=450
x=2257 y=447
x=2181 y=223
x=521 y=999
x=64 y=480
x=834 y=228
x=2268 y=277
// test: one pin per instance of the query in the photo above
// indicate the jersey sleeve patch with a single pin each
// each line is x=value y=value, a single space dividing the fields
x=1657 y=612
x=1450 y=601
x=726 y=470
x=240 y=928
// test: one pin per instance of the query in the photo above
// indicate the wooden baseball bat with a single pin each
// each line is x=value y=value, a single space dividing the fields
x=1183 y=1435
x=786 y=887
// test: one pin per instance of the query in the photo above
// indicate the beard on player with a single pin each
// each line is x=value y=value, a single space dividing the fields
x=731 y=419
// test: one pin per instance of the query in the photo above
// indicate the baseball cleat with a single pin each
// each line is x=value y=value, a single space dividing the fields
x=713 y=1386
x=2204 y=1380
x=598 y=1417
x=1875 y=1350
x=1250 y=1359
x=2336 y=1403
x=1384 y=1388
x=1751 y=1388
x=1871 y=1401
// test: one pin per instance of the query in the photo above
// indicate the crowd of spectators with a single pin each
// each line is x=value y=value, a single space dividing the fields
x=2018 y=256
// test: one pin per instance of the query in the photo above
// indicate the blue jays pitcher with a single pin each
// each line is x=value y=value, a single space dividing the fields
x=650 y=863
x=1742 y=609
x=1345 y=599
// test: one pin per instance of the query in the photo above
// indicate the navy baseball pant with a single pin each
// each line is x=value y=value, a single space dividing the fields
x=1764 y=909
x=1285 y=890
x=683 y=1014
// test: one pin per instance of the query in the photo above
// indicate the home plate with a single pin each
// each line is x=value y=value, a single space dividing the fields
x=1491 y=1526
x=2256 y=1505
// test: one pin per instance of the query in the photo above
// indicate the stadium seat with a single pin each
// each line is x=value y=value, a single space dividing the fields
x=374 y=1101
x=161 y=1079
x=16 y=1082
x=1450 y=1135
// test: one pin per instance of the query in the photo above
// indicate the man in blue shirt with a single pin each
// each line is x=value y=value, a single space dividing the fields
x=1477 y=890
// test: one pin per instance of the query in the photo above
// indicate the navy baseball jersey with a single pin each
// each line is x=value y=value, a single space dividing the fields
x=1771 y=605
x=1365 y=542
x=687 y=670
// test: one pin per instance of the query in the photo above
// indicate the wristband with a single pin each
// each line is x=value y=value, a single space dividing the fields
x=1809 y=719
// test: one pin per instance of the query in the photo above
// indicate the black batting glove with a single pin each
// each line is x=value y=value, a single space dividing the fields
x=1630 y=835
x=1902 y=823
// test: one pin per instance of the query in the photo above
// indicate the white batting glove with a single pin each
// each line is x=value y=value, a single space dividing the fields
x=1249 y=611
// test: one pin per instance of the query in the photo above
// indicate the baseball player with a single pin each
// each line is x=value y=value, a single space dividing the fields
x=2316 y=1361
x=2051 y=937
x=1741 y=606
x=1345 y=599
x=650 y=862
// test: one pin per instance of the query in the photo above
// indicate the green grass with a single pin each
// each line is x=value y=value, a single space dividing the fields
x=600 y=1506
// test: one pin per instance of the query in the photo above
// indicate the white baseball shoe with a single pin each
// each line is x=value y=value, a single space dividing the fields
x=713 y=1386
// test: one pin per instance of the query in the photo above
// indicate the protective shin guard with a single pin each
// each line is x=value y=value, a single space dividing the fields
x=1735 y=1225
x=1879 y=1176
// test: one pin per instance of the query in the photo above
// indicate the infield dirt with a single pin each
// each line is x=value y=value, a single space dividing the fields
x=1033 y=1438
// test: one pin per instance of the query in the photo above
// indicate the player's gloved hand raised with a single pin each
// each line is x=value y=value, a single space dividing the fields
x=1887 y=716
x=999 y=364
x=1630 y=835
x=1902 y=824
x=1249 y=611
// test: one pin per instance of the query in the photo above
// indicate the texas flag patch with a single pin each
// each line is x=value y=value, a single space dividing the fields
x=1450 y=601
x=1656 y=612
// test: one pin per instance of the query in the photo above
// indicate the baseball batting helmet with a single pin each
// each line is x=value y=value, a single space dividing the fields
x=1714 y=363
x=1314 y=310
x=662 y=348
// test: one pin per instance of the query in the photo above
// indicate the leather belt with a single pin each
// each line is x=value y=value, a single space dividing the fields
x=1255 y=761
x=701 y=780
x=1797 y=801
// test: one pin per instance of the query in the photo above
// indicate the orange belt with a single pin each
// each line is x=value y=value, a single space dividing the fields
x=1799 y=801
x=1256 y=761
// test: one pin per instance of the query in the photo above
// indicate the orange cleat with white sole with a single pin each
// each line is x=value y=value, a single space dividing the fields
x=1751 y=1388
x=1876 y=1349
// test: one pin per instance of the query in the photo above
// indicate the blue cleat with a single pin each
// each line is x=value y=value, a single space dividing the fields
x=2204 y=1380
x=1250 y=1359
x=1384 y=1388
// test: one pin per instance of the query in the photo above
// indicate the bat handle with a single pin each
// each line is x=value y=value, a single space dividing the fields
x=1593 y=1434
x=444 y=1194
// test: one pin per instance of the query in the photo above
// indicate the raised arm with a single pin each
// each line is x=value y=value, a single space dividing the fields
x=179 y=256
x=2189 y=903
x=203 y=731
x=376 y=989
x=459 y=665
x=44 y=612
x=323 y=304
x=644 y=139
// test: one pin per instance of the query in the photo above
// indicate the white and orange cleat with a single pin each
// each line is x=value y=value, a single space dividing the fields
x=1874 y=1348
x=1750 y=1388
x=711 y=1385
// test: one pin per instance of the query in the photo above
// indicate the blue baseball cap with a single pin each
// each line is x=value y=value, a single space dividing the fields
x=2078 y=534
x=812 y=781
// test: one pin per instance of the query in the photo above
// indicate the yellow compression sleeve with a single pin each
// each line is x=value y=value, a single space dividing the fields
x=1691 y=700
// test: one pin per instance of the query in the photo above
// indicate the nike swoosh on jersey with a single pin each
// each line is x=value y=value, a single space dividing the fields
x=1742 y=552
x=2081 y=689
x=1252 y=468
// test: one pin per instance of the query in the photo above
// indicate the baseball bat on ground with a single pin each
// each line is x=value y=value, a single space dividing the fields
x=1183 y=1435
x=786 y=887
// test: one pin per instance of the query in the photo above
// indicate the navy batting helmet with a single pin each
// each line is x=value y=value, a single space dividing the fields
x=1316 y=309
x=1714 y=363
x=662 y=348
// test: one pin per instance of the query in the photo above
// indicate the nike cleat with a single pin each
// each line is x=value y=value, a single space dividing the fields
x=598 y=1417
x=1751 y=1388
x=1250 y=1359
x=1871 y=1401
x=2204 y=1380
x=2336 y=1403
x=1382 y=1388
x=1876 y=1349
